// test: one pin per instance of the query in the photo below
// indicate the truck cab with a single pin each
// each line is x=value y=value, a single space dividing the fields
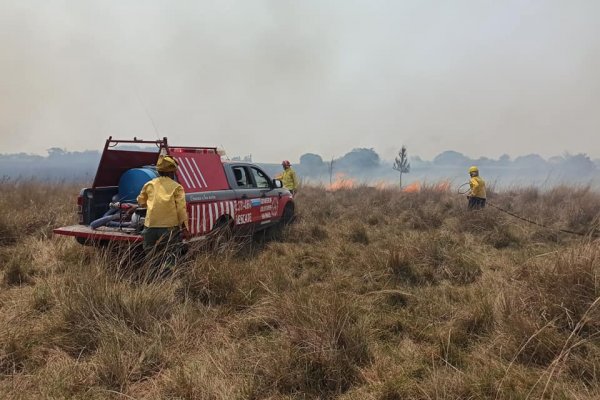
x=218 y=193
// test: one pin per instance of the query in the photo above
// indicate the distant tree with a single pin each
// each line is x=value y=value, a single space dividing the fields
x=331 y=172
x=359 y=159
x=580 y=164
x=484 y=161
x=502 y=161
x=311 y=160
x=401 y=163
x=418 y=162
x=556 y=160
x=453 y=158
x=530 y=161
x=54 y=152
x=312 y=164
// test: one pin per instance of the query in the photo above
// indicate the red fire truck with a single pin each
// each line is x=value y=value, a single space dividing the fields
x=219 y=193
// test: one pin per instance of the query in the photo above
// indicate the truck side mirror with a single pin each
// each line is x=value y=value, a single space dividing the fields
x=277 y=184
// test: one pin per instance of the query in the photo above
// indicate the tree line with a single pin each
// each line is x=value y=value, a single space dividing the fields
x=360 y=162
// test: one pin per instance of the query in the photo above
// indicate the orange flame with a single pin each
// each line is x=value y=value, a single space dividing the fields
x=383 y=185
x=415 y=187
x=412 y=188
x=342 y=182
x=443 y=186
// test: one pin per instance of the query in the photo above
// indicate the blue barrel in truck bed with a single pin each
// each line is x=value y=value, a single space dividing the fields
x=132 y=182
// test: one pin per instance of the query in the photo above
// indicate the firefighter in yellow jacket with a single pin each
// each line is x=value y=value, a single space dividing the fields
x=166 y=216
x=288 y=177
x=476 y=196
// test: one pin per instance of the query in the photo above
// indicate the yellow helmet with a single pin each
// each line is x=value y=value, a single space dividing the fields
x=166 y=164
x=473 y=169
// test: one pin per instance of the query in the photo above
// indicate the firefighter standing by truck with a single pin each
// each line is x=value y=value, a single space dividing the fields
x=477 y=195
x=166 y=216
x=288 y=177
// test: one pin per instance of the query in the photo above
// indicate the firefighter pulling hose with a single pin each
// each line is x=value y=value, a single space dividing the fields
x=477 y=195
x=477 y=191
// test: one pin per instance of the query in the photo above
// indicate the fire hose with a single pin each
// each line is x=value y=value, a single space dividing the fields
x=593 y=232
x=115 y=216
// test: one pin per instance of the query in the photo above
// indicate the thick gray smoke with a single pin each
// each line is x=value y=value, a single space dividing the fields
x=362 y=166
x=281 y=78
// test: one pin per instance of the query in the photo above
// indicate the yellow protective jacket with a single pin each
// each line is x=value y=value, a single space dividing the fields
x=289 y=179
x=477 y=187
x=165 y=200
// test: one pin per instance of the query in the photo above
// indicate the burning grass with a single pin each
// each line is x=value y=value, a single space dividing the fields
x=372 y=293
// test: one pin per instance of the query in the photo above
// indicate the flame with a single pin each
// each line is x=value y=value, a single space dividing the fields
x=443 y=186
x=412 y=188
x=383 y=185
x=415 y=187
x=342 y=182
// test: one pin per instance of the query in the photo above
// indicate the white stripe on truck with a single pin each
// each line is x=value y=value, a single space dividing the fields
x=191 y=168
x=193 y=219
x=197 y=218
x=183 y=173
x=204 y=216
x=200 y=172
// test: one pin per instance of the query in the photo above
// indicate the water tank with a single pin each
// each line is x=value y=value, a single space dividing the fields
x=132 y=182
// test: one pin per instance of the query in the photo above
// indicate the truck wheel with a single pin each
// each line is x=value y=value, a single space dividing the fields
x=221 y=234
x=288 y=214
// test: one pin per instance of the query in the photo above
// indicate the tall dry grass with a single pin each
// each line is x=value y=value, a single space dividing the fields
x=370 y=294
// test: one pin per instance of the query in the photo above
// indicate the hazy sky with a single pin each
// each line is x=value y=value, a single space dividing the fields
x=280 y=78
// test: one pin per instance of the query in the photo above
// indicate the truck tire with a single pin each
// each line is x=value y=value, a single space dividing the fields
x=288 y=214
x=221 y=234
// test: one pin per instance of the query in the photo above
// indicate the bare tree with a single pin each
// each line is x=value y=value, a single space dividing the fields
x=331 y=172
x=401 y=163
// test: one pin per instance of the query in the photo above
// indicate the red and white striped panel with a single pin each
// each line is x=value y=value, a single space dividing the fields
x=191 y=174
x=203 y=216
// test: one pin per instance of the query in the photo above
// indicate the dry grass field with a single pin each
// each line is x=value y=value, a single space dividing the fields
x=370 y=294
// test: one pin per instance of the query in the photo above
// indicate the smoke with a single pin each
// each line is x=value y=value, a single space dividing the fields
x=280 y=78
x=357 y=167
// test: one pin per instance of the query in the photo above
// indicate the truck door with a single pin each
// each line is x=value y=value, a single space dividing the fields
x=248 y=196
x=269 y=198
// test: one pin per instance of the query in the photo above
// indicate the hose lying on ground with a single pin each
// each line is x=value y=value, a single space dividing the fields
x=593 y=232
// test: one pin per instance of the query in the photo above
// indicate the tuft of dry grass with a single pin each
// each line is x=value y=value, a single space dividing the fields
x=18 y=269
x=93 y=301
x=318 y=347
